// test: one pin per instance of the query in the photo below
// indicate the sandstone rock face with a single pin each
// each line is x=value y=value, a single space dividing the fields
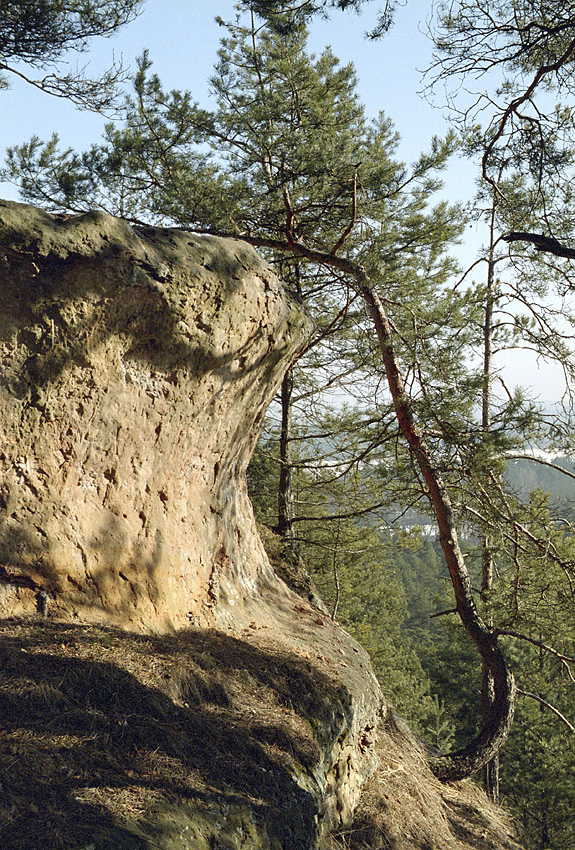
x=136 y=367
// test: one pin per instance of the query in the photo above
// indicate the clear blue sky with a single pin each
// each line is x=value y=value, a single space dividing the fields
x=183 y=37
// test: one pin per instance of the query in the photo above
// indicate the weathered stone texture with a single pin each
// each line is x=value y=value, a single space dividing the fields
x=136 y=368
x=162 y=688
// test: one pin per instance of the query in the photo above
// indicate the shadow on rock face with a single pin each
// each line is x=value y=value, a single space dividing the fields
x=114 y=740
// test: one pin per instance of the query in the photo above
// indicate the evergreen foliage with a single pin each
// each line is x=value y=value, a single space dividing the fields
x=537 y=762
x=37 y=34
x=350 y=563
x=288 y=154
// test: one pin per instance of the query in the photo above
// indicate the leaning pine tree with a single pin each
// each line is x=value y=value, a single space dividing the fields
x=288 y=163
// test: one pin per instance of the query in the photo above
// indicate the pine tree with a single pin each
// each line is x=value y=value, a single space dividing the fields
x=329 y=194
x=34 y=34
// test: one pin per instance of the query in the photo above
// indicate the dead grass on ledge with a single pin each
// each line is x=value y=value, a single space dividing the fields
x=99 y=727
x=404 y=807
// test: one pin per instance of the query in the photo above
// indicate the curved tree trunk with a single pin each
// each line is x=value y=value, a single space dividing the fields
x=497 y=724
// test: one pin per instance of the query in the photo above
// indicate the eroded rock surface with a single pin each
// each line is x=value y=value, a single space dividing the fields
x=160 y=687
x=199 y=740
x=136 y=368
x=137 y=365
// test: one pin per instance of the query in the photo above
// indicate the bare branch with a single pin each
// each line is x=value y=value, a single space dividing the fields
x=548 y=705
x=542 y=243
x=538 y=643
x=543 y=462
x=443 y=613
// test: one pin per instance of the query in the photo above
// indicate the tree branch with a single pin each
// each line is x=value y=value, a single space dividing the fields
x=547 y=244
x=548 y=705
x=538 y=643
x=513 y=107
x=543 y=462
x=468 y=760
x=351 y=224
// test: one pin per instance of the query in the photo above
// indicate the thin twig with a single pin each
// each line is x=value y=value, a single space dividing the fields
x=548 y=705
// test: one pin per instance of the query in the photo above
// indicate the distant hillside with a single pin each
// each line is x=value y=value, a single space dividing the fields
x=526 y=475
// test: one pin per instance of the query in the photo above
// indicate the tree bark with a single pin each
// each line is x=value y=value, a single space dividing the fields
x=495 y=728
x=286 y=500
x=547 y=244
x=497 y=724
x=491 y=769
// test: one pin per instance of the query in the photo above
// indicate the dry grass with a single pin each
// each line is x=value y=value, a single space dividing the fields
x=405 y=808
x=100 y=730
x=99 y=727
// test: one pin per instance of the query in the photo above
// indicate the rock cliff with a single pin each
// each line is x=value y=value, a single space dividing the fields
x=161 y=686
x=137 y=367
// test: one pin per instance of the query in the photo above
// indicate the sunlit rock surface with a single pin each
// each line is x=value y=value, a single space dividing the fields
x=136 y=369
x=137 y=364
x=160 y=687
